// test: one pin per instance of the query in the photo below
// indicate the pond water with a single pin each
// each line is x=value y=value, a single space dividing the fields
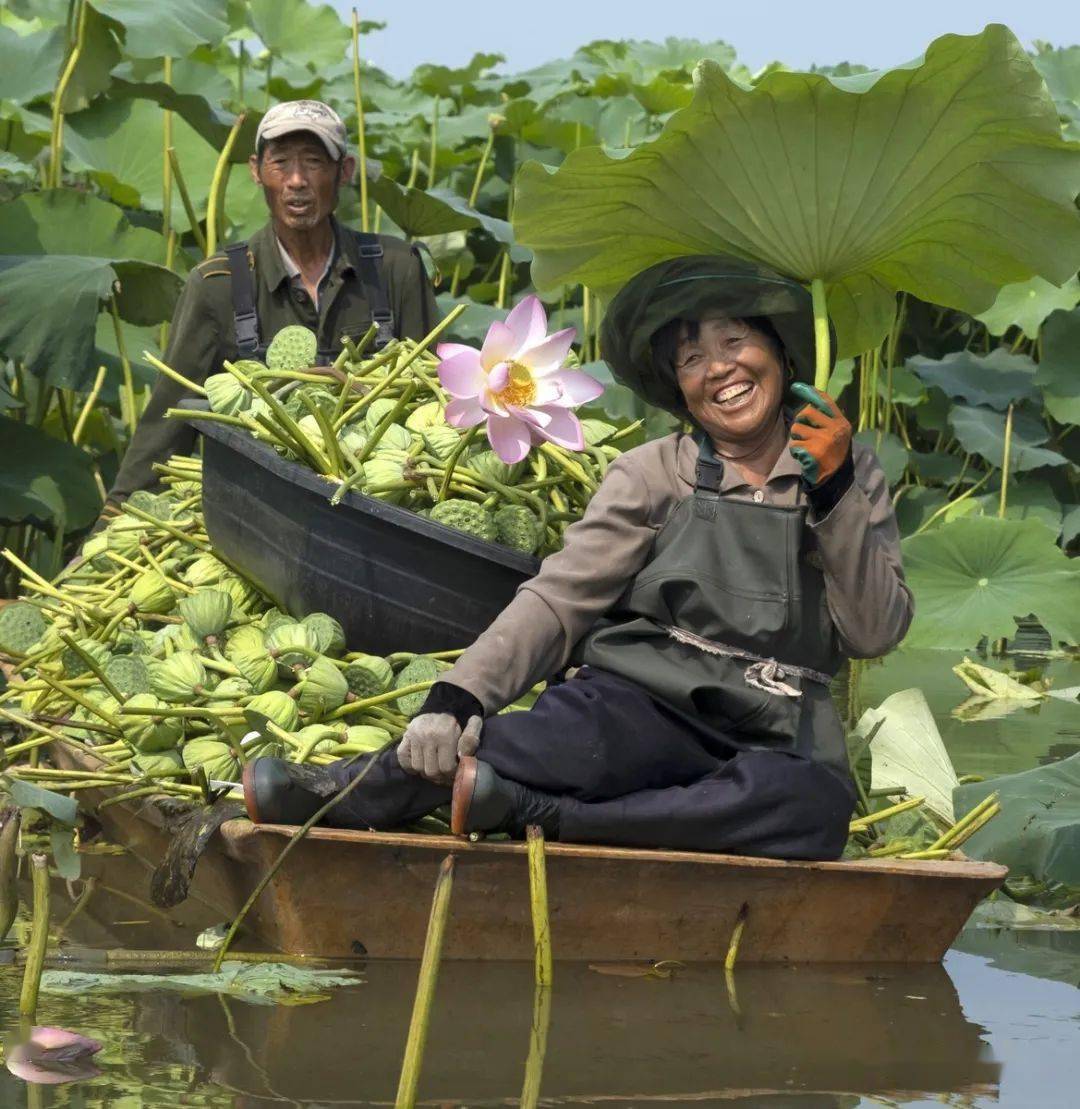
x=998 y=1023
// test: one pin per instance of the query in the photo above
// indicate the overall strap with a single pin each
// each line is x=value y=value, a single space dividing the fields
x=245 y=316
x=374 y=281
x=710 y=469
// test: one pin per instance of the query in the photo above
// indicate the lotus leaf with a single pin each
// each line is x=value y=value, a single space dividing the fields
x=1059 y=369
x=1037 y=832
x=997 y=379
x=982 y=431
x=31 y=63
x=890 y=451
x=166 y=28
x=304 y=33
x=973 y=577
x=947 y=177
x=1027 y=304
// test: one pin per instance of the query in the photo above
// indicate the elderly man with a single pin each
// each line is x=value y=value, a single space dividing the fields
x=303 y=267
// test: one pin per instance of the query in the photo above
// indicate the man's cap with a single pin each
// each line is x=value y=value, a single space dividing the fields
x=685 y=288
x=304 y=115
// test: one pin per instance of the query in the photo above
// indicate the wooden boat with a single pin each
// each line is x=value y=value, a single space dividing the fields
x=347 y=893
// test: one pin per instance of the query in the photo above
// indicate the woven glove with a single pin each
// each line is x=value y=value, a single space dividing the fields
x=820 y=436
x=434 y=741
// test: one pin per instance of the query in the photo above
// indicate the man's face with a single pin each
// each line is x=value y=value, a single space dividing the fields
x=299 y=180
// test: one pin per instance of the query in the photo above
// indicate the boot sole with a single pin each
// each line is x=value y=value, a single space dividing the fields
x=461 y=799
x=248 y=781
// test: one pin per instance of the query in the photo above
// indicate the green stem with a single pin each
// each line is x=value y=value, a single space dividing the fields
x=56 y=138
x=131 y=417
x=88 y=407
x=462 y=446
x=215 y=205
x=185 y=199
x=434 y=149
x=425 y=988
x=39 y=938
x=361 y=138
x=823 y=355
x=538 y=898
x=1005 y=462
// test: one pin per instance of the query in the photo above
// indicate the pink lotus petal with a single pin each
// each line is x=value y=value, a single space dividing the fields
x=563 y=428
x=50 y=1038
x=449 y=350
x=462 y=375
x=547 y=356
x=528 y=321
x=538 y=417
x=491 y=404
x=547 y=391
x=575 y=388
x=510 y=439
x=498 y=377
x=464 y=412
x=499 y=345
x=54 y=1055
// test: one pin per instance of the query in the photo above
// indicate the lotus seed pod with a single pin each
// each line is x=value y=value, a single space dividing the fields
x=312 y=432
x=21 y=626
x=158 y=506
x=597 y=431
x=216 y=758
x=226 y=395
x=377 y=410
x=489 y=465
x=394 y=438
x=352 y=439
x=93 y=553
x=329 y=634
x=426 y=416
x=249 y=366
x=160 y=764
x=368 y=676
x=206 y=613
x=150 y=592
x=319 y=739
x=246 y=650
x=292 y=645
x=466 y=516
x=72 y=662
x=518 y=527
x=179 y=679
x=321 y=689
x=273 y=618
x=322 y=398
x=244 y=595
x=440 y=441
x=233 y=690
x=367 y=737
x=421 y=669
x=205 y=570
x=277 y=707
x=147 y=734
x=135 y=642
x=292 y=348
x=386 y=467
x=129 y=674
x=124 y=535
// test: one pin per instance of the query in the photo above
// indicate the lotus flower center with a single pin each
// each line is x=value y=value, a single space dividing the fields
x=520 y=389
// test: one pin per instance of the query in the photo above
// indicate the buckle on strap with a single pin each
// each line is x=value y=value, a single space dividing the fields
x=247 y=332
x=370 y=250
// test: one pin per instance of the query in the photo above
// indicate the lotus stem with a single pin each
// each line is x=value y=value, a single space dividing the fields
x=970 y=829
x=34 y=726
x=88 y=407
x=56 y=139
x=823 y=355
x=361 y=138
x=538 y=1035
x=929 y=853
x=460 y=448
x=434 y=148
x=478 y=177
x=1005 y=462
x=91 y=663
x=382 y=698
x=865 y=822
x=425 y=989
x=216 y=201
x=185 y=199
x=950 y=836
x=391 y=417
x=736 y=937
x=79 y=699
x=166 y=169
x=39 y=937
x=164 y=525
x=131 y=417
x=949 y=504
x=179 y=378
x=538 y=898
x=504 y=278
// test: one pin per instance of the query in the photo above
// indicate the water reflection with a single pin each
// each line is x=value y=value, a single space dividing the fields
x=809 y=1036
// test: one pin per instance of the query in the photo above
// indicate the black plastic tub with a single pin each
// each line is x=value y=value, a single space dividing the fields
x=396 y=581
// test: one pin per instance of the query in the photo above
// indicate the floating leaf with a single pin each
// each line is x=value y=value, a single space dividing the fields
x=1059 y=369
x=26 y=795
x=947 y=178
x=1027 y=304
x=991 y=684
x=982 y=431
x=974 y=577
x=997 y=379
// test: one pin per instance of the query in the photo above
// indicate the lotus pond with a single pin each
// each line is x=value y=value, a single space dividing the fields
x=997 y=1023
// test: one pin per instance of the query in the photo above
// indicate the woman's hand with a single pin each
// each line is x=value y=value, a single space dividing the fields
x=434 y=741
x=820 y=435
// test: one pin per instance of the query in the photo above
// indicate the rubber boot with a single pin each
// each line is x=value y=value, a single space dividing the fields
x=485 y=802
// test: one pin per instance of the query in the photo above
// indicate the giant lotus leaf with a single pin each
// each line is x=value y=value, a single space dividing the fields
x=947 y=177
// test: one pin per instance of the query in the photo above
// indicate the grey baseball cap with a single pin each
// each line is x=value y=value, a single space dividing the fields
x=304 y=115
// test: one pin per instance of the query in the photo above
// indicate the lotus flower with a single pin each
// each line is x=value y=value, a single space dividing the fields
x=517 y=382
x=54 y=1055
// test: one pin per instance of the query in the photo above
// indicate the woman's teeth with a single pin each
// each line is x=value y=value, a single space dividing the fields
x=733 y=393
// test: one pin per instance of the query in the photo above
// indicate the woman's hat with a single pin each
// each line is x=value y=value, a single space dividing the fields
x=684 y=288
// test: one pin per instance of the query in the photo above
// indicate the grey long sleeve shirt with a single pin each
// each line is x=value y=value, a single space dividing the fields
x=535 y=635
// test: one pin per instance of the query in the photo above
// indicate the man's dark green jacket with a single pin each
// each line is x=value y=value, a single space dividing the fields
x=203 y=336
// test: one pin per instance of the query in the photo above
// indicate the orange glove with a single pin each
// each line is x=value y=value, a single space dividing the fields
x=820 y=435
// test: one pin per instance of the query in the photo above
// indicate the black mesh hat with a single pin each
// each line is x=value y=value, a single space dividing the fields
x=685 y=288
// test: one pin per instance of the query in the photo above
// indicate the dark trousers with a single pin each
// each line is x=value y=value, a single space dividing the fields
x=630 y=773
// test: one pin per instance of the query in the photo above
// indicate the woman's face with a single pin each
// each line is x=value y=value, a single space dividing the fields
x=732 y=378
